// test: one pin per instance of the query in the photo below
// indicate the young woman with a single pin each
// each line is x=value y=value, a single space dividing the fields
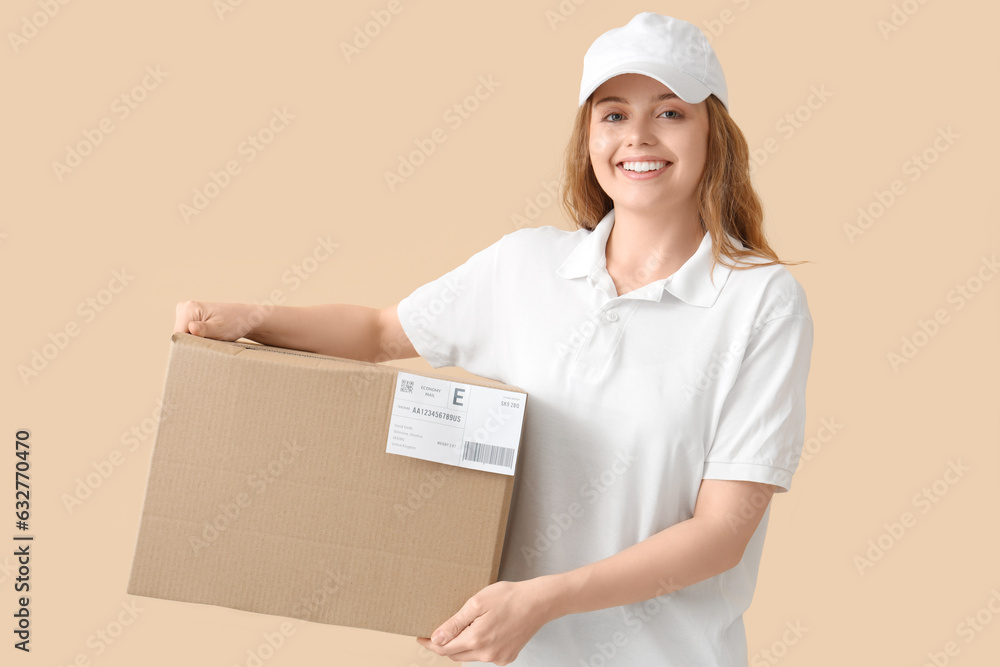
x=665 y=350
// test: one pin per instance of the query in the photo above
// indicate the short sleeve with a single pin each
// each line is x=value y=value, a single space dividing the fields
x=450 y=321
x=762 y=423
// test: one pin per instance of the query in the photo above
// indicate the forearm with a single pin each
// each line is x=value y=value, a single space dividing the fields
x=340 y=330
x=681 y=555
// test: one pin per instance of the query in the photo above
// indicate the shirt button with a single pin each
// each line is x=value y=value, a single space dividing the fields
x=612 y=316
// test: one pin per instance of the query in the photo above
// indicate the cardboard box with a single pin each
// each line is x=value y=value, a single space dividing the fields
x=271 y=489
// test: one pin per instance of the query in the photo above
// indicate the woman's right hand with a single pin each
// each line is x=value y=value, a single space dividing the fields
x=221 y=321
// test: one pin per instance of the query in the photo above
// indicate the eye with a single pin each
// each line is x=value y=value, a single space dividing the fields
x=613 y=113
x=673 y=111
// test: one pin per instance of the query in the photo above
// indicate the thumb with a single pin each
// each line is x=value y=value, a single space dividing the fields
x=454 y=625
x=198 y=328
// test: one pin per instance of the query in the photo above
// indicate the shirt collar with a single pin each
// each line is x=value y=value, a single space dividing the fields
x=691 y=283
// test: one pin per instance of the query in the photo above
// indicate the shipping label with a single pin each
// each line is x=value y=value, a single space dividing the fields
x=455 y=423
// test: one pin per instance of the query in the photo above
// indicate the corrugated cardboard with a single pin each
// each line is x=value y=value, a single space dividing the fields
x=270 y=491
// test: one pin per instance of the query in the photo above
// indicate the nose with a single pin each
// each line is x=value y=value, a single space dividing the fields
x=640 y=131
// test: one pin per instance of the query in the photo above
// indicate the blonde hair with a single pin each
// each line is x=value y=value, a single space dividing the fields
x=728 y=201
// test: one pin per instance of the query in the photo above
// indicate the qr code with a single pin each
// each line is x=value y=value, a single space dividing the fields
x=406 y=386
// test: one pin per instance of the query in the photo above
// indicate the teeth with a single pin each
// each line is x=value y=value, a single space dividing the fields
x=643 y=166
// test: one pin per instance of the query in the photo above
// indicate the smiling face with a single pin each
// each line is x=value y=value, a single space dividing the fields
x=647 y=146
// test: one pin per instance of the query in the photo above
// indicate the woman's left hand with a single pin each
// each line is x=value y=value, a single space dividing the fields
x=495 y=623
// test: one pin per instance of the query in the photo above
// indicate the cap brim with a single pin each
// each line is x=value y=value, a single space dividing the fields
x=688 y=88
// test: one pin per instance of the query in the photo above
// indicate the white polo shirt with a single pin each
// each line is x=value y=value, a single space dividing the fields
x=632 y=401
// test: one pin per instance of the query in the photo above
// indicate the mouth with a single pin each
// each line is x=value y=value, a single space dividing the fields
x=644 y=167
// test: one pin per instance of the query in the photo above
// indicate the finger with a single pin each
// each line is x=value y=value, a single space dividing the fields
x=453 y=652
x=188 y=313
x=468 y=656
x=454 y=625
x=181 y=318
x=431 y=646
x=449 y=650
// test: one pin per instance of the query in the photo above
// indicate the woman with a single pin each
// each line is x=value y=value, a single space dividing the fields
x=665 y=350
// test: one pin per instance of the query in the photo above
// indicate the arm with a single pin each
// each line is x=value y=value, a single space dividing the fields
x=726 y=515
x=340 y=330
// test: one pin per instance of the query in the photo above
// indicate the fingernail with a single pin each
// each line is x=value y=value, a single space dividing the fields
x=438 y=638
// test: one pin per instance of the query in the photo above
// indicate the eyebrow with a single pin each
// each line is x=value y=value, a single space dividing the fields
x=622 y=100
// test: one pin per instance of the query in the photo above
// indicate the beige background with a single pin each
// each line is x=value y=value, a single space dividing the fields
x=894 y=430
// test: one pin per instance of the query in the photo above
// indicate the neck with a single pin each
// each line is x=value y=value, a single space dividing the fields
x=645 y=245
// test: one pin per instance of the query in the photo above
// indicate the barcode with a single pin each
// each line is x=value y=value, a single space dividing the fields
x=480 y=452
x=406 y=386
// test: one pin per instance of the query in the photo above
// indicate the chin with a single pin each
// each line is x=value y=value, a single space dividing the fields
x=648 y=201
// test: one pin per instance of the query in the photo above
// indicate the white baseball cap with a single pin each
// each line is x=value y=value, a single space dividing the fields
x=674 y=52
